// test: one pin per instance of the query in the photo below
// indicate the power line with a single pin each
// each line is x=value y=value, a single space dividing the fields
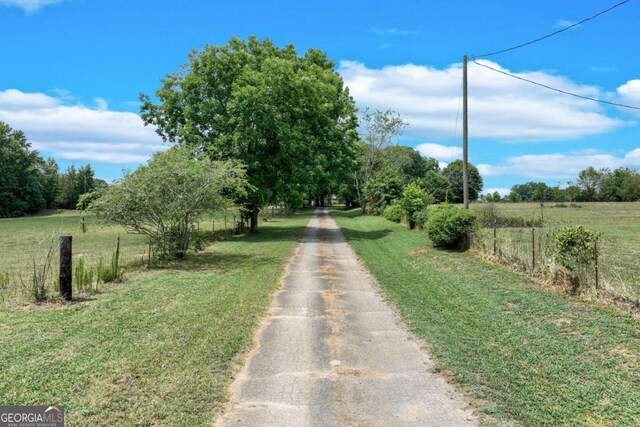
x=554 y=33
x=602 y=101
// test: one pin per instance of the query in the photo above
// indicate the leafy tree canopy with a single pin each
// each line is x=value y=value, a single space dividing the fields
x=288 y=119
x=453 y=172
x=21 y=191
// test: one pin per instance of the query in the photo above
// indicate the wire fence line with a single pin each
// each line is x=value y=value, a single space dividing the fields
x=530 y=250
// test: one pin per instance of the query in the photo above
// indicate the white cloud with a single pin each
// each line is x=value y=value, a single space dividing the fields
x=564 y=23
x=559 y=166
x=629 y=93
x=502 y=191
x=29 y=6
x=603 y=69
x=439 y=151
x=77 y=132
x=394 y=32
x=500 y=107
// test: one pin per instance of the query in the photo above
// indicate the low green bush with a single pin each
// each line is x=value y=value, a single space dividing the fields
x=420 y=218
x=394 y=213
x=414 y=199
x=573 y=249
x=450 y=226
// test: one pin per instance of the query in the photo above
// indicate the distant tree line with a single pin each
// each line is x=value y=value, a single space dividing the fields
x=591 y=185
x=29 y=183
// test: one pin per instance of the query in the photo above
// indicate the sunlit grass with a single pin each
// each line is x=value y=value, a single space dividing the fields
x=536 y=357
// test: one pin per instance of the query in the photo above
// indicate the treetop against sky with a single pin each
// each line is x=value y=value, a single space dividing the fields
x=77 y=68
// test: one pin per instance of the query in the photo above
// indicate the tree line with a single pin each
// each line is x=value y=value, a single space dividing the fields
x=591 y=185
x=29 y=183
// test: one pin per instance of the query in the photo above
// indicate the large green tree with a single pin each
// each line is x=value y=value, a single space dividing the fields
x=453 y=172
x=411 y=164
x=437 y=185
x=20 y=186
x=50 y=182
x=288 y=118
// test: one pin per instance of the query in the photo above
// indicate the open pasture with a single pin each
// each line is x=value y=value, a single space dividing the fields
x=617 y=223
x=23 y=238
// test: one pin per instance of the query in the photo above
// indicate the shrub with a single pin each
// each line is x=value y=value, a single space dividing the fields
x=394 y=213
x=198 y=240
x=450 y=226
x=414 y=199
x=573 y=249
x=420 y=218
x=110 y=273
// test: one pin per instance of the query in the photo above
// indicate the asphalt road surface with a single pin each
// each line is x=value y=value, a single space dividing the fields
x=333 y=353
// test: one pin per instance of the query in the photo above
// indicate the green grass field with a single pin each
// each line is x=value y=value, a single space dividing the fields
x=618 y=223
x=158 y=349
x=537 y=357
x=21 y=238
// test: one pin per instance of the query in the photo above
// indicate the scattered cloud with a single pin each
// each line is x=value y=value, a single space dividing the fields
x=78 y=132
x=502 y=191
x=563 y=23
x=603 y=69
x=29 y=6
x=500 y=107
x=393 y=32
x=385 y=45
x=559 y=166
x=439 y=152
x=101 y=104
x=629 y=93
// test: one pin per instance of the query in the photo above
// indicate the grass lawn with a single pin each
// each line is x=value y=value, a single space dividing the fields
x=158 y=349
x=536 y=357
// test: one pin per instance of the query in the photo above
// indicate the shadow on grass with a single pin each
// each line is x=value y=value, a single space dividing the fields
x=352 y=234
x=218 y=261
x=346 y=212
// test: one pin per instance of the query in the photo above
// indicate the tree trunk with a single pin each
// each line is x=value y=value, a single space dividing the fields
x=254 y=218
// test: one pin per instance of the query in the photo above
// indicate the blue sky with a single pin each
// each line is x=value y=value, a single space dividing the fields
x=72 y=71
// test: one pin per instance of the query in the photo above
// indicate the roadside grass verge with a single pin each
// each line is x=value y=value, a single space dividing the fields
x=533 y=356
x=159 y=349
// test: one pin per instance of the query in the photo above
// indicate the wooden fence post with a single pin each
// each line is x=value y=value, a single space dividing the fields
x=495 y=243
x=66 y=275
x=533 y=248
x=595 y=253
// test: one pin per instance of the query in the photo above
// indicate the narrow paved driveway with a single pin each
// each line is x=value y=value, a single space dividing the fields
x=333 y=353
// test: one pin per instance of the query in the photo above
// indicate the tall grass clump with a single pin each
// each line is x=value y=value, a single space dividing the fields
x=82 y=277
x=37 y=283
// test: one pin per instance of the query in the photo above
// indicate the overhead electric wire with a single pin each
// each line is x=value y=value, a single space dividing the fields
x=554 y=33
x=602 y=101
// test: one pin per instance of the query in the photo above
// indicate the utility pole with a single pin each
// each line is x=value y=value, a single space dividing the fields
x=465 y=136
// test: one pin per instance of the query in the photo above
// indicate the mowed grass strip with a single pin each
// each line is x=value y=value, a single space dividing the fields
x=533 y=356
x=159 y=349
